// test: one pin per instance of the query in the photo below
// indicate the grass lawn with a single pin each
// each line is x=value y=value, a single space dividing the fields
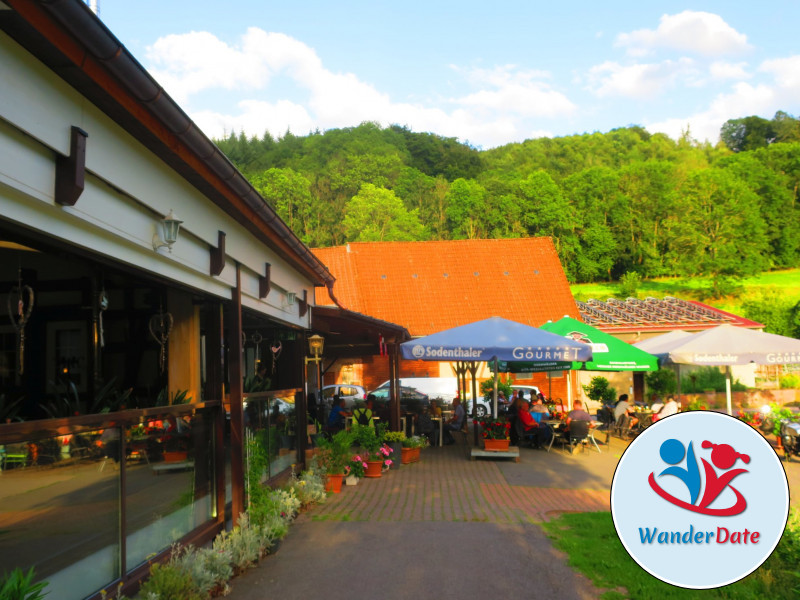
x=594 y=549
x=787 y=282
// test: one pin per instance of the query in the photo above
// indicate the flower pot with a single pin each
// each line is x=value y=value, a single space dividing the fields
x=334 y=483
x=496 y=445
x=351 y=480
x=407 y=455
x=173 y=456
x=415 y=454
x=374 y=468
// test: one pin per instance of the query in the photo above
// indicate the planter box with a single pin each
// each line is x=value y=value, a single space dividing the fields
x=175 y=456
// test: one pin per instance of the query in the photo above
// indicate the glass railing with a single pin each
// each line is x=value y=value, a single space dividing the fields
x=62 y=501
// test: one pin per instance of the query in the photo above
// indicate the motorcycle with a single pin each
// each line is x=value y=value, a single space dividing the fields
x=790 y=436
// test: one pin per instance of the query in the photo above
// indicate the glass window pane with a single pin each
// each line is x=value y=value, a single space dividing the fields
x=59 y=512
x=169 y=491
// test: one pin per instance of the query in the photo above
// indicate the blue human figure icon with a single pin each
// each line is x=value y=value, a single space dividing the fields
x=672 y=453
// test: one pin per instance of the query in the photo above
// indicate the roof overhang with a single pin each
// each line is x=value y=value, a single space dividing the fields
x=68 y=38
x=350 y=334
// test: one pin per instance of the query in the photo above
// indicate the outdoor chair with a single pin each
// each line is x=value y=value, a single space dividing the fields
x=579 y=434
x=16 y=454
x=622 y=428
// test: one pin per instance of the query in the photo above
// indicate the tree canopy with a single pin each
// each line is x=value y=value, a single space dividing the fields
x=619 y=202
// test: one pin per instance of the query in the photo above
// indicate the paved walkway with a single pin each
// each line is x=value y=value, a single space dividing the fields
x=445 y=527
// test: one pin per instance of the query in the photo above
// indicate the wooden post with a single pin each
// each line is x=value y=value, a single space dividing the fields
x=236 y=399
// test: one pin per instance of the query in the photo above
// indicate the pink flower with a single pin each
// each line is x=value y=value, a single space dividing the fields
x=388 y=463
x=365 y=465
x=356 y=458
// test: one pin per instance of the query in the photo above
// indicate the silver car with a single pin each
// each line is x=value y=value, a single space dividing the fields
x=350 y=393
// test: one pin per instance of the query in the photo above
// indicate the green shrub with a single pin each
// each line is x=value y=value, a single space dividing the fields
x=708 y=379
x=487 y=388
x=661 y=382
x=18 y=585
x=600 y=390
x=208 y=568
x=790 y=381
x=166 y=582
x=243 y=543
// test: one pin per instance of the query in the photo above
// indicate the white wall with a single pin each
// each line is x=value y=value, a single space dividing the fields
x=127 y=192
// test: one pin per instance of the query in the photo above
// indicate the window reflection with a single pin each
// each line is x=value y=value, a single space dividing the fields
x=168 y=482
x=59 y=511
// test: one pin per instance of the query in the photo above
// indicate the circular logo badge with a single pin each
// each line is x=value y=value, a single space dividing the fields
x=418 y=351
x=699 y=499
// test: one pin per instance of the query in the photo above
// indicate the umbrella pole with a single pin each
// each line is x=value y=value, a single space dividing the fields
x=569 y=389
x=728 y=390
x=496 y=377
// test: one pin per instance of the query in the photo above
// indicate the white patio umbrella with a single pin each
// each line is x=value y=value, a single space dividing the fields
x=727 y=345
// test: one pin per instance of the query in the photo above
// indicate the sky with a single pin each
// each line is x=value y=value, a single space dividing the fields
x=486 y=73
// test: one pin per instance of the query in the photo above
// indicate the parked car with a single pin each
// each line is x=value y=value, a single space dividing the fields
x=484 y=407
x=411 y=400
x=350 y=393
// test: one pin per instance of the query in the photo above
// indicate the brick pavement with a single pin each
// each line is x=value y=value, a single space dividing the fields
x=445 y=486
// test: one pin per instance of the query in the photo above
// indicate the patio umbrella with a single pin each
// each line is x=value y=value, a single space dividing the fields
x=663 y=342
x=727 y=345
x=495 y=339
x=608 y=352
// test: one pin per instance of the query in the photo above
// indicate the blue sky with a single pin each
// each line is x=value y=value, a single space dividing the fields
x=485 y=73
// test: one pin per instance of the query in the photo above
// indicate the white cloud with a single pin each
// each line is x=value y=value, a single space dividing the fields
x=189 y=64
x=702 y=33
x=639 y=81
x=744 y=100
x=785 y=70
x=516 y=91
x=726 y=70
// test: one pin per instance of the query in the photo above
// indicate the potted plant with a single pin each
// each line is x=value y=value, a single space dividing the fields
x=495 y=433
x=334 y=456
x=376 y=454
x=411 y=448
x=355 y=470
x=777 y=414
x=394 y=439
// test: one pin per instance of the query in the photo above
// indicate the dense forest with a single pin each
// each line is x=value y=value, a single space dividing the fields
x=616 y=203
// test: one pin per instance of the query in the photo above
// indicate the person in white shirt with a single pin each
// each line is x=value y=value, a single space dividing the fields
x=669 y=408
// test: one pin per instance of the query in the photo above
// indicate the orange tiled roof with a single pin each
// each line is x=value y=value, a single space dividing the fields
x=431 y=286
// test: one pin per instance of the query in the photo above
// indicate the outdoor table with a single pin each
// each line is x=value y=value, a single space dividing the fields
x=552 y=424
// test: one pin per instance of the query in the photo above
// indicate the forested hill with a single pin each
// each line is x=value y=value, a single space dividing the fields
x=618 y=202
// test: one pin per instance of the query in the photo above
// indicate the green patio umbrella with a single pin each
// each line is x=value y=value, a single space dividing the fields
x=608 y=353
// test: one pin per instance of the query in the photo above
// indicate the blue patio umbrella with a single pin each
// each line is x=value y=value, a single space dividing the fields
x=495 y=339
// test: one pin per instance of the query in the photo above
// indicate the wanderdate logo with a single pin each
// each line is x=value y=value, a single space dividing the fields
x=699 y=499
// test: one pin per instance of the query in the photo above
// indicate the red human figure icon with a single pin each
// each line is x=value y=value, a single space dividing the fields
x=724 y=457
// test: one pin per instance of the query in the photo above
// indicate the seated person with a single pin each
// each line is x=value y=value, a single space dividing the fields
x=363 y=416
x=502 y=402
x=623 y=408
x=454 y=423
x=541 y=433
x=425 y=426
x=336 y=420
x=539 y=407
x=576 y=414
x=669 y=408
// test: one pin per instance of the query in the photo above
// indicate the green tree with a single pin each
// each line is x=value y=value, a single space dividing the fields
x=629 y=284
x=466 y=209
x=660 y=382
x=721 y=233
x=376 y=215
x=772 y=309
x=599 y=389
x=748 y=133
